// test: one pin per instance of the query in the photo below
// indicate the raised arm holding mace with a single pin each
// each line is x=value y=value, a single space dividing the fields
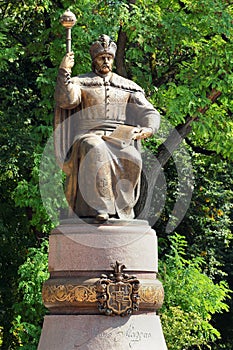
x=100 y=117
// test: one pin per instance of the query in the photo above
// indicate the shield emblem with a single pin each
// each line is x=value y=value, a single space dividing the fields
x=119 y=297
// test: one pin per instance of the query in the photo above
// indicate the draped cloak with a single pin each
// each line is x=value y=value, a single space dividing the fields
x=102 y=172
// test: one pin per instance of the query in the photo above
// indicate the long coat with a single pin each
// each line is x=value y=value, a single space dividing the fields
x=94 y=124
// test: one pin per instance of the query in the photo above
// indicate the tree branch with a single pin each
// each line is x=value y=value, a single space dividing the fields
x=120 y=54
x=180 y=132
x=17 y=37
x=198 y=149
x=121 y=46
x=165 y=151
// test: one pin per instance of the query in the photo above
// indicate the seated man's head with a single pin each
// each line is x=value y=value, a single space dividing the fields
x=102 y=64
x=102 y=54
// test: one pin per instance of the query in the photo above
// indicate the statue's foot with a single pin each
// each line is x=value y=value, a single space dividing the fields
x=101 y=216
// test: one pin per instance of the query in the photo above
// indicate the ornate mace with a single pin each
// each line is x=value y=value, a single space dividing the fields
x=68 y=20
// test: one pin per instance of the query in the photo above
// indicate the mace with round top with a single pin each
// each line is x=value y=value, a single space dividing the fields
x=68 y=20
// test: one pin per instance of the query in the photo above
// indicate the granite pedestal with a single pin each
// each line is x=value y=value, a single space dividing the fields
x=79 y=253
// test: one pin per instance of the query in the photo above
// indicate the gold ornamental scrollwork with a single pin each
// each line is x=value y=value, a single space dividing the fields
x=151 y=294
x=69 y=293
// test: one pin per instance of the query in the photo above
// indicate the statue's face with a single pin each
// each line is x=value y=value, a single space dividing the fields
x=103 y=63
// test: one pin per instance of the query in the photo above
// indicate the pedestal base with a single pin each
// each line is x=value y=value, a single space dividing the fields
x=97 y=332
x=108 y=268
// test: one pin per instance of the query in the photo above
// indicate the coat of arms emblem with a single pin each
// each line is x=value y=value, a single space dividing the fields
x=117 y=294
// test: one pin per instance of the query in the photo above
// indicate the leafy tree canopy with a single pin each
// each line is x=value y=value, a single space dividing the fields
x=179 y=51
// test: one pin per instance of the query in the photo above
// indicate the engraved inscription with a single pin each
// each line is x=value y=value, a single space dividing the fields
x=132 y=335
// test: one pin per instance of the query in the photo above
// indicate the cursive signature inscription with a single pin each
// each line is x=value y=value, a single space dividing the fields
x=132 y=335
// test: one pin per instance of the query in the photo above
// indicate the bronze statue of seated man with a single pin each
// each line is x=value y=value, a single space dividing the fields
x=102 y=118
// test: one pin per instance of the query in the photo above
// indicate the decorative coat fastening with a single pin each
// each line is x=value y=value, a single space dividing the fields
x=117 y=294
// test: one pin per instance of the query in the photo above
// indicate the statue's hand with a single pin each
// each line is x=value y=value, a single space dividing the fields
x=143 y=133
x=68 y=61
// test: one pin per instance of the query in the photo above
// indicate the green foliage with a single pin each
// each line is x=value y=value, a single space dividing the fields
x=15 y=238
x=209 y=216
x=29 y=194
x=211 y=209
x=29 y=311
x=1 y=336
x=191 y=299
x=207 y=226
x=185 y=50
x=179 y=52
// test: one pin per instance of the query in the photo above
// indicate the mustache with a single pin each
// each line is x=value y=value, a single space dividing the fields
x=101 y=66
x=105 y=65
